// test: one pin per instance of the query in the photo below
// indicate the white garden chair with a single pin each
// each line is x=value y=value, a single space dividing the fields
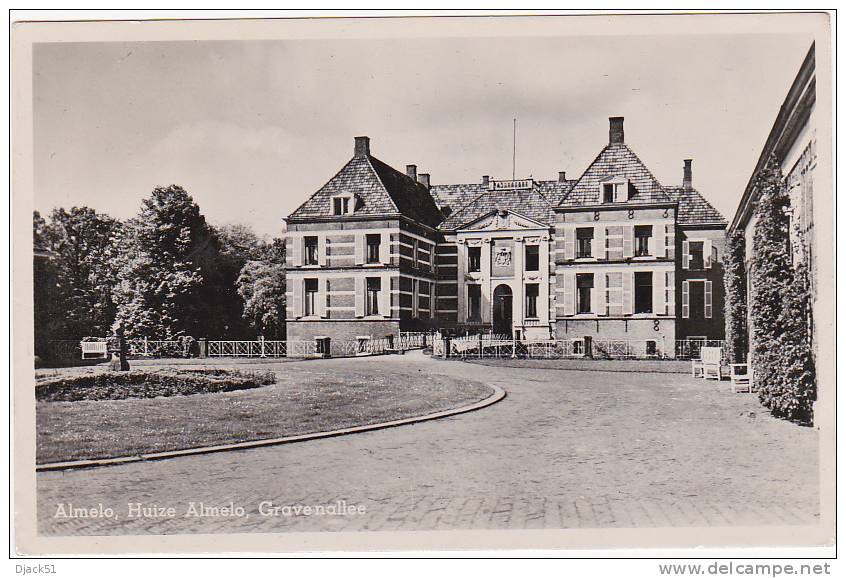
x=711 y=361
x=741 y=378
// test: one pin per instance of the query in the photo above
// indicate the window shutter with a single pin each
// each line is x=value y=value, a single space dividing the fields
x=685 y=299
x=598 y=245
x=628 y=293
x=670 y=287
x=685 y=254
x=628 y=241
x=670 y=241
x=658 y=293
x=298 y=252
x=299 y=285
x=597 y=298
x=360 y=291
x=321 y=297
x=321 y=250
x=709 y=306
x=650 y=245
x=359 y=249
x=706 y=253
x=569 y=293
x=385 y=297
x=385 y=249
x=570 y=244
x=658 y=247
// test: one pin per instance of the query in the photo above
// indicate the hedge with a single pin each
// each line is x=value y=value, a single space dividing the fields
x=145 y=383
x=734 y=281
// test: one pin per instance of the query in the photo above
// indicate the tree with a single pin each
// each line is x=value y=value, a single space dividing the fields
x=159 y=293
x=82 y=246
x=261 y=285
x=734 y=279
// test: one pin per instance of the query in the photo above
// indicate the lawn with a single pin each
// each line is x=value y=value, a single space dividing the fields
x=308 y=397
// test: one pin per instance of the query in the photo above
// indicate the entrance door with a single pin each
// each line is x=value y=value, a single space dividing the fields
x=502 y=310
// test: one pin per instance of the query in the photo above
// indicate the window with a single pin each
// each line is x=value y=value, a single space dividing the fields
x=374 y=243
x=584 y=287
x=474 y=259
x=310 y=305
x=532 y=258
x=615 y=192
x=696 y=251
x=608 y=193
x=310 y=250
x=578 y=347
x=532 y=300
x=474 y=302
x=374 y=285
x=643 y=292
x=584 y=239
x=642 y=235
x=341 y=205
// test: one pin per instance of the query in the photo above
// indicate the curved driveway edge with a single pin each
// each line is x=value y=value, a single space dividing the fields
x=496 y=396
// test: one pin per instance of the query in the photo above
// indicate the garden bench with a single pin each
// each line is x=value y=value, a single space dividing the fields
x=94 y=348
x=741 y=378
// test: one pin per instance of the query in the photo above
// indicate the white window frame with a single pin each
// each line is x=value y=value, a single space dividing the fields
x=621 y=190
x=350 y=204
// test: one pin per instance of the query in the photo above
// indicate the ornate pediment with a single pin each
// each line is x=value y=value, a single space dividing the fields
x=503 y=220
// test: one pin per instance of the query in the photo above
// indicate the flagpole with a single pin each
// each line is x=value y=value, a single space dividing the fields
x=514 y=153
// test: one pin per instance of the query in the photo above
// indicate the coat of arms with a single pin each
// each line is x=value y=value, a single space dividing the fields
x=502 y=257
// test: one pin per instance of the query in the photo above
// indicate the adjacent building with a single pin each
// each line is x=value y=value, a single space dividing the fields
x=610 y=255
x=793 y=141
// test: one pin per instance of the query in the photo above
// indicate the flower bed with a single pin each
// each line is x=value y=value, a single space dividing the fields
x=111 y=385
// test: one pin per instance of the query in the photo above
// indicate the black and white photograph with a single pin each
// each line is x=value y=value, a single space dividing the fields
x=428 y=282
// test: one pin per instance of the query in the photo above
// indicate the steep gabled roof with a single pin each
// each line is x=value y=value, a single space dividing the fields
x=380 y=190
x=455 y=196
x=693 y=208
x=411 y=198
x=526 y=202
x=616 y=160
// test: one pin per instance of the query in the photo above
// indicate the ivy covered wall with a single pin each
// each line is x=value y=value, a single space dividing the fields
x=783 y=369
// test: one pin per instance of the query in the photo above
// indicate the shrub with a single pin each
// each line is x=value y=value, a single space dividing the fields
x=112 y=385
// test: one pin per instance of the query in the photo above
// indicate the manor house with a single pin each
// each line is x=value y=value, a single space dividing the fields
x=611 y=254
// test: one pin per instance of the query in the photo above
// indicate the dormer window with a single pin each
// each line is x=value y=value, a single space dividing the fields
x=343 y=205
x=615 y=191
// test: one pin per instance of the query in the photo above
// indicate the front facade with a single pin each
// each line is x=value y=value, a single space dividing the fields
x=610 y=255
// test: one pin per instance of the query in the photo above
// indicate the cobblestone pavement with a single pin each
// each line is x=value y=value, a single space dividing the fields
x=565 y=449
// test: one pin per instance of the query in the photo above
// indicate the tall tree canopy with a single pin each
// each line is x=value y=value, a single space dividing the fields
x=159 y=292
x=83 y=254
x=261 y=285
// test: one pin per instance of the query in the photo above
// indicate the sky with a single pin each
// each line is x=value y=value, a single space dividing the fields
x=252 y=128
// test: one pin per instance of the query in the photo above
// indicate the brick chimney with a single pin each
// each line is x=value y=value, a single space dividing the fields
x=411 y=171
x=687 y=181
x=562 y=176
x=486 y=181
x=424 y=179
x=362 y=146
x=615 y=130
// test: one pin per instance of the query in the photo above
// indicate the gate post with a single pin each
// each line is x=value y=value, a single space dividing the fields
x=204 y=347
x=588 y=346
